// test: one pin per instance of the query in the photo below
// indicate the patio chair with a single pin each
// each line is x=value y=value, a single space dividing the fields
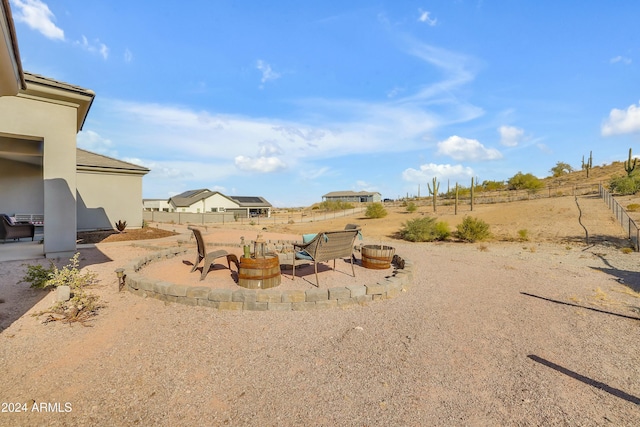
x=326 y=246
x=16 y=231
x=210 y=257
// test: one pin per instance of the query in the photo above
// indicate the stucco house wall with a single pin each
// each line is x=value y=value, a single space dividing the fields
x=220 y=201
x=21 y=188
x=106 y=198
x=54 y=123
x=158 y=205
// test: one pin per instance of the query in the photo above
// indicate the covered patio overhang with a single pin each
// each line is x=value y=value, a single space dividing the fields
x=39 y=121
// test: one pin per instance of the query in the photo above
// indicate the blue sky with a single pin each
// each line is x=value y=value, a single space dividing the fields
x=290 y=100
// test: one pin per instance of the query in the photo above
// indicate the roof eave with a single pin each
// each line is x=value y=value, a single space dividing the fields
x=11 y=74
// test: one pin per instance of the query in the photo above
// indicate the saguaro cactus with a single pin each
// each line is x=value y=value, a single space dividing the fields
x=472 y=193
x=589 y=164
x=434 y=191
x=455 y=211
x=628 y=166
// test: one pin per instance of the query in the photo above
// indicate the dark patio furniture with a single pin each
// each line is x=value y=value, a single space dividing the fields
x=209 y=257
x=15 y=231
x=327 y=246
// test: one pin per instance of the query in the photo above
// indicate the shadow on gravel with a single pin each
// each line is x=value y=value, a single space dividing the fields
x=580 y=306
x=589 y=381
x=598 y=239
x=630 y=279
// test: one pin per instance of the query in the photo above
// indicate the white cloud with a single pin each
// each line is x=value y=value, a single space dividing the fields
x=95 y=47
x=313 y=174
x=92 y=141
x=443 y=172
x=510 y=136
x=267 y=72
x=458 y=69
x=365 y=186
x=39 y=17
x=269 y=149
x=260 y=164
x=426 y=18
x=622 y=121
x=620 y=59
x=460 y=149
x=395 y=92
x=128 y=55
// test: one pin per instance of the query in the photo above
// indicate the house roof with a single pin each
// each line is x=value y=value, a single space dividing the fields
x=11 y=74
x=86 y=160
x=190 y=197
x=250 y=201
x=44 y=87
x=350 y=193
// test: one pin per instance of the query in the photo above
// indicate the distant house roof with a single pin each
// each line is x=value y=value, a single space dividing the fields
x=350 y=193
x=190 y=197
x=86 y=160
x=251 y=201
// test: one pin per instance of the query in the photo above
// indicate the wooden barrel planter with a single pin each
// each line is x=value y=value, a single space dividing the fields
x=259 y=273
x=377 y=257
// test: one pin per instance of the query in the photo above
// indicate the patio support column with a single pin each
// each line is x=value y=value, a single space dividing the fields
x=59 y=175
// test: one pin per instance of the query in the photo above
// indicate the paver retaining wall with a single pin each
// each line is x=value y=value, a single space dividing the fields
x=259 y=299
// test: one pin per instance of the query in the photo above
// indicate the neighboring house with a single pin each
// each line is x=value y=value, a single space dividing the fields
x=156 y=205
x=39 y=174
x=204 y=200
x=352 y=196
x=109 y=190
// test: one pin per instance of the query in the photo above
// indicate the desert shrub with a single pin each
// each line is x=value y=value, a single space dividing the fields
x=424 y=229
x=625 y=185
x=492 y=185
x=411 y=207
x=335 y=205
x=121 y=225
x=523 y=235
x=526 y=181
x=70 y=275
x=38 y=275
x=442 y=230
x=561 y=168
x=375 y=210
x=473 y=229
x=82 y=305
x=633 y=207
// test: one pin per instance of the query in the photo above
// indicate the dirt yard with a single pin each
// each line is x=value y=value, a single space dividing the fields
x=542 y=331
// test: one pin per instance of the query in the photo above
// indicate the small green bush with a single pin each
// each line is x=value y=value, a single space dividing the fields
x=526 y=181
x=625 y=185
x=473 y=229
x=81 y=306
x=424 y=229
x=633 y=207
x=411 y=207
x=38 y=275
x=523 y=235
x=335 y=205
x=375 y=210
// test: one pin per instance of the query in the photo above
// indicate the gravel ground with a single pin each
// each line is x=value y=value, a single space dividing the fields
x=488 y=334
